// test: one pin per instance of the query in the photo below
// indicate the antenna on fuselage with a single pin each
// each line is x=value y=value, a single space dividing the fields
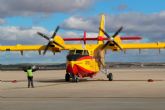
x=84 y=40
x=85 y=36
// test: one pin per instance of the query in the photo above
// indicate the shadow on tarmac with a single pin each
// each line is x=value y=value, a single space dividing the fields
x=95 y=80
x=55 y=82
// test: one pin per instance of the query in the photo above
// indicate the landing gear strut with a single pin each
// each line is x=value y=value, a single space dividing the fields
x=75 y=78
x=110 y=76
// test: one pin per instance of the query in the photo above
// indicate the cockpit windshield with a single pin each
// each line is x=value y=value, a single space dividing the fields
x=78 y=52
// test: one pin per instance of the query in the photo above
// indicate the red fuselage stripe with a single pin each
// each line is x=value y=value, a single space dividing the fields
x=84 y=58
x=76 y=69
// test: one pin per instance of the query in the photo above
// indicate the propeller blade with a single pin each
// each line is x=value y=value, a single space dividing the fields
x=55 y=32
x=58 y=44
x=105 y=45
x=118 y=45
x=105 y=32
x=107 y=36
x=44 y=36
x=46 y=48
x=108 y=42
x=117 y=32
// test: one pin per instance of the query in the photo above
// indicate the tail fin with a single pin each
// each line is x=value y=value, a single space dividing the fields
x=102 y=26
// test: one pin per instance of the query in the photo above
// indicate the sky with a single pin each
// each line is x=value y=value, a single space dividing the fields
x=20 y=20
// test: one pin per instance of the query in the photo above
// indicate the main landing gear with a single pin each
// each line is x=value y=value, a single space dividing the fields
x=110 y=76
x=69 y=76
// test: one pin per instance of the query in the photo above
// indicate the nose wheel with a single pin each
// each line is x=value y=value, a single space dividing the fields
x=67 y=77
x=110 y=76
x=75 y=78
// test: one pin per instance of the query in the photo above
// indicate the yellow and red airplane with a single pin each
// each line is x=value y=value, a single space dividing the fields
x=85 y=60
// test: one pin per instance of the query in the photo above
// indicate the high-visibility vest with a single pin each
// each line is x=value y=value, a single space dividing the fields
x=29 y=73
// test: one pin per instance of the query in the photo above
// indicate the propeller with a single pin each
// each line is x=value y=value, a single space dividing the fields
x=111 y=38
x=50 y=40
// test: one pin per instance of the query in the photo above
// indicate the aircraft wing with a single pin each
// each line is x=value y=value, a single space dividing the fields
x=126 y=46
x=157 y=45
x=22 y=48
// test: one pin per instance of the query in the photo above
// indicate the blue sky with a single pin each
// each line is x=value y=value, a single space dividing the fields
x=21 y=19
x=97 y=7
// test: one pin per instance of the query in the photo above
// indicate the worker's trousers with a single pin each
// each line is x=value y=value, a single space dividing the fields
x=30 y=82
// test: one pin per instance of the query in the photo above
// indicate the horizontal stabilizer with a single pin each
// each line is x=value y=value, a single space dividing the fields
x=102 y=39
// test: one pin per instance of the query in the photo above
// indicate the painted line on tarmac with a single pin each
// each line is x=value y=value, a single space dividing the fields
x=4 y=97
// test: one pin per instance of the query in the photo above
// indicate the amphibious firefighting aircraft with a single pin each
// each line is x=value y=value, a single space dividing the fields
x=85 y=60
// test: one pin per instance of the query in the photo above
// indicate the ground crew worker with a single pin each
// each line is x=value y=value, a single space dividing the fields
x=29 y=72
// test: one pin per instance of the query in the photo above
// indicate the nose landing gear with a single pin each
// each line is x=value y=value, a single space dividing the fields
x=68 y=76
x=75 y=79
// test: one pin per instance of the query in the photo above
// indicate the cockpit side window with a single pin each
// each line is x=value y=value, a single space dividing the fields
x=71 y=52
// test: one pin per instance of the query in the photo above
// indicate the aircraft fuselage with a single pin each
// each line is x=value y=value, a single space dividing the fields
x=81 y=64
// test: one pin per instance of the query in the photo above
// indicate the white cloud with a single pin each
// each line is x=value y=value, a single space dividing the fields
x=30 y=7
x=13 y=35
x=70 y=34
x=79 y=23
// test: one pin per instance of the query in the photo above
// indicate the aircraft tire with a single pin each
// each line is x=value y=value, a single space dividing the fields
x=67 y=77
x=76 y=79
x=110 y=76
